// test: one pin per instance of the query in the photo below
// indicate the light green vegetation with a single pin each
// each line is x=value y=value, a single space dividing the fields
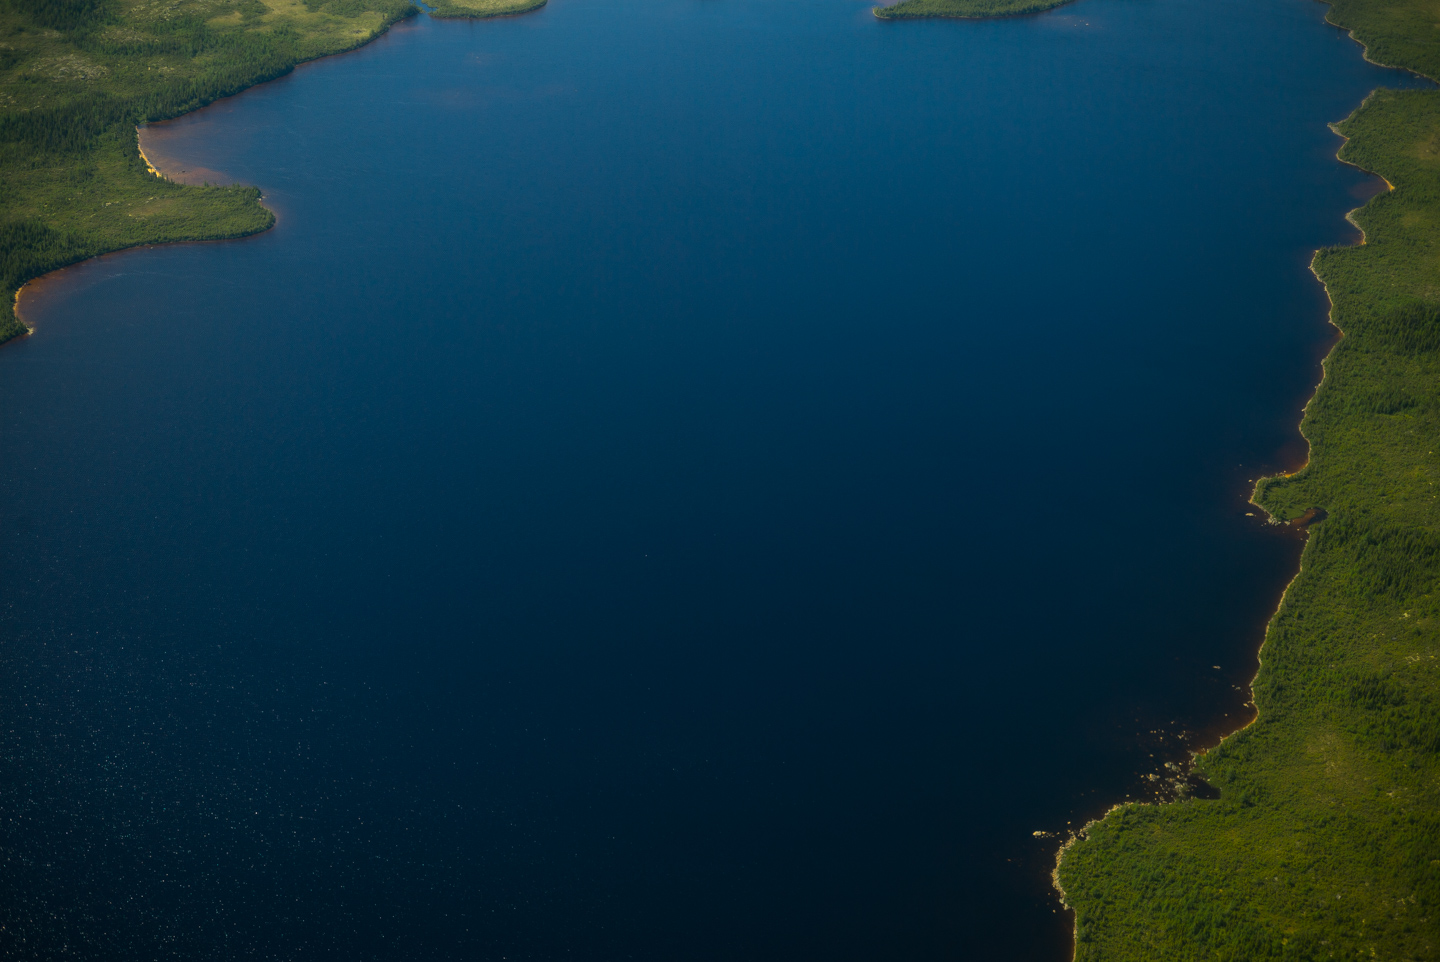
x=483 y=8
x=965 y=9
x=77 y=76
x=1325 y=841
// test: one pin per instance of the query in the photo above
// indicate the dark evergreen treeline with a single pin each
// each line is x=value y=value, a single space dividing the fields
x=1410 y=329
x=1383 y=558
x=71 y=16
x=28 y=246
x=28 y=249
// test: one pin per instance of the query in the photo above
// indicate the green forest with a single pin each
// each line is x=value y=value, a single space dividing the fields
x=1324 y=842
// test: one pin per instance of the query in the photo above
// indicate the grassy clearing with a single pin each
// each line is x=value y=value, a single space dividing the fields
x=1325 y=841
x=964 y=9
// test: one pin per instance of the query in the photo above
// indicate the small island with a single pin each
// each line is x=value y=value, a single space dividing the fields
x=964 y=9
x=481 y=9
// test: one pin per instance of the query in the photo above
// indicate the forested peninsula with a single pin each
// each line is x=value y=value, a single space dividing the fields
x=78 y=76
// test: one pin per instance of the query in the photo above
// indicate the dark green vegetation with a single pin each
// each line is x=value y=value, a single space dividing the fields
x=1325 y=841
x=916 y=9
x=77 y=76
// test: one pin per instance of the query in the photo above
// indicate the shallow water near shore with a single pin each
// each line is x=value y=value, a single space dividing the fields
x=683 y=480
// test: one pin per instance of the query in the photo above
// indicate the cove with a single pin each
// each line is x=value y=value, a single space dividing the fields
x=681 y=480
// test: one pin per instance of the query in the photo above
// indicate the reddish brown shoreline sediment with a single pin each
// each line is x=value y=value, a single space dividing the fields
x=161 y=164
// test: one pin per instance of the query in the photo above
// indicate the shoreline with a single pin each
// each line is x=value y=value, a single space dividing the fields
x=470 y=13
x=178 y=180
x=1121 y=925
x=15 y=308
x=187 y=176
x=1302 y=522
x=141 y=148
x=93 y=249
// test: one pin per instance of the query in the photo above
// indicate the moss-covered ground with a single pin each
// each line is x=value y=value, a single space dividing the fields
x=1325 y=840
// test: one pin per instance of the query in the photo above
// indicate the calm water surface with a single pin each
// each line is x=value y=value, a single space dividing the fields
x=684 y=480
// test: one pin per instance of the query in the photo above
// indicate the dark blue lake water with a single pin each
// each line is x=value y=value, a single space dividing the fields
x=684 y=480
